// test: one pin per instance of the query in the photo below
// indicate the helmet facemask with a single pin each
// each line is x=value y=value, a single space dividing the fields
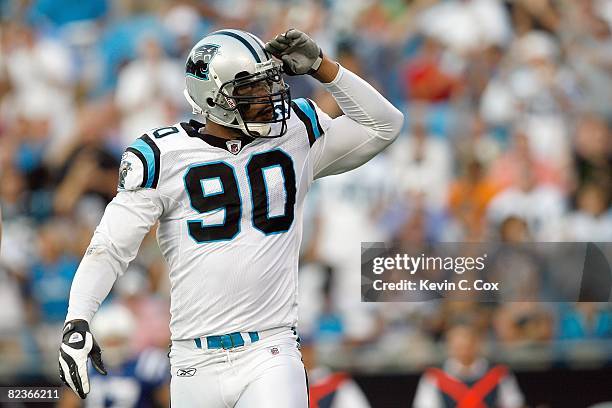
x=259 y=101
x=233 y=82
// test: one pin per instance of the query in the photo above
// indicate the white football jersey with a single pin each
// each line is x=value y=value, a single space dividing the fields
x=230 y=211
x=231 y=222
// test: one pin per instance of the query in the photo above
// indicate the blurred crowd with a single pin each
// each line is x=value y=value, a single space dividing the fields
x=507 y=138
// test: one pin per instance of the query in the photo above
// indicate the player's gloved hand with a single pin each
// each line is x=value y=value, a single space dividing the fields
x=299 y=53
x=77 y=346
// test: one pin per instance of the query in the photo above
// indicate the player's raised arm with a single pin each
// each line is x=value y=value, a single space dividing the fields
x=370 y=123
x=115 y=243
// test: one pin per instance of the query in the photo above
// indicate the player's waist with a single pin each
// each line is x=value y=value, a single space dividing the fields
x=232 y=340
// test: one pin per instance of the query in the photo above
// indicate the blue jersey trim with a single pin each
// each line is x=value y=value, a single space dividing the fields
x=147 y=152
x=305 y=107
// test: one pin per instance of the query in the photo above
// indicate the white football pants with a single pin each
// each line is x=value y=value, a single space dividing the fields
x=268 y=373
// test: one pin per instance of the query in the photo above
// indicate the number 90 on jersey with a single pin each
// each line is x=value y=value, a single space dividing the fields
x=225 y=196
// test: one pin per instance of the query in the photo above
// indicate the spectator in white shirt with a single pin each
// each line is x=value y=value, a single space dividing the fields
x=149 y=90
x=592 y=220
x=422 y=164
x=541 y=205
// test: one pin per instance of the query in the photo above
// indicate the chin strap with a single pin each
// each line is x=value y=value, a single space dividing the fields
x=262 y=129
x=317 y=63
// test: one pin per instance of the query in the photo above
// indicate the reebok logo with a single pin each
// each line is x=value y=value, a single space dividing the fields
x=185 y=372
x=75 y=338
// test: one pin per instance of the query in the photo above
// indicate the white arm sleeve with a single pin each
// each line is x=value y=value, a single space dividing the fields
x=350 y=395
x=427 y=394
x=510 y=395
x=115 y=243
x=369 y=125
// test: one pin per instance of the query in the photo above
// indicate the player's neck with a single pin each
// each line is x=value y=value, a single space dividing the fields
x=222 y=132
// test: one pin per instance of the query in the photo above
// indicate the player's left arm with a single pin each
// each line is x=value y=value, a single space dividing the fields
x=371 y=122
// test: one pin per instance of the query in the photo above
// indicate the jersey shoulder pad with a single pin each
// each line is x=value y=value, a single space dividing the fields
x=141 y=162
x=313 y=118
x=140 y=165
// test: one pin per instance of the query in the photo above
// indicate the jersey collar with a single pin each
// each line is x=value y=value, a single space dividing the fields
x=193 y=129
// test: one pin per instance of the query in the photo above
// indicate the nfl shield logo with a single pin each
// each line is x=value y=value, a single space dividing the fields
x=233 y=146
x=274 y=351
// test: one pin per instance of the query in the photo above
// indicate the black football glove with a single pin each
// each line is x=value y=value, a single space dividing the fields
x=77 y=346
x=300 y=53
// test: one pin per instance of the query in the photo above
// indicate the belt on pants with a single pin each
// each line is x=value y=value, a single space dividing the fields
x=232 y=340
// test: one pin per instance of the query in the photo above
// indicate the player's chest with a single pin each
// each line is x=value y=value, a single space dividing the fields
x=221 y=194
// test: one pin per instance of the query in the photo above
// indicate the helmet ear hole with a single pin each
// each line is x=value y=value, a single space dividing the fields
x=210 y=102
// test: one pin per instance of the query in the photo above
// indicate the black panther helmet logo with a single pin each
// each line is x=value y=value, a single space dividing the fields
x=199 y=63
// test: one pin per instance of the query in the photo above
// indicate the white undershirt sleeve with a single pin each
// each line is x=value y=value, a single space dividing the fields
x=350 y=395
x=510 y=395
x=369 y=125
x=427 y=394
x=115 y=243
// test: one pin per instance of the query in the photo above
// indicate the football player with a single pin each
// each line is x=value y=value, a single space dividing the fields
x=228 y=193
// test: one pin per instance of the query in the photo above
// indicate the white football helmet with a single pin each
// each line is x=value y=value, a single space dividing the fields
x=229 y=75
x=113 y=327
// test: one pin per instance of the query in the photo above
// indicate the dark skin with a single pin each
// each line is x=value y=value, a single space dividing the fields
x=260 y=109
x=326 y=73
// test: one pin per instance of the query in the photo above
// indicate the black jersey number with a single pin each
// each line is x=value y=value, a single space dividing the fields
x=226 y=196
x=227 y=199
x=165 y=131
x=261 y=196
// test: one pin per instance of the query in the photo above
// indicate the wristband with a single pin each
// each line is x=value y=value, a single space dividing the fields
x=315 y=66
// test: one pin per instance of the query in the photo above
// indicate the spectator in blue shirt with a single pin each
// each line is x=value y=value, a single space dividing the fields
x=51 y=275
x=586 y=321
